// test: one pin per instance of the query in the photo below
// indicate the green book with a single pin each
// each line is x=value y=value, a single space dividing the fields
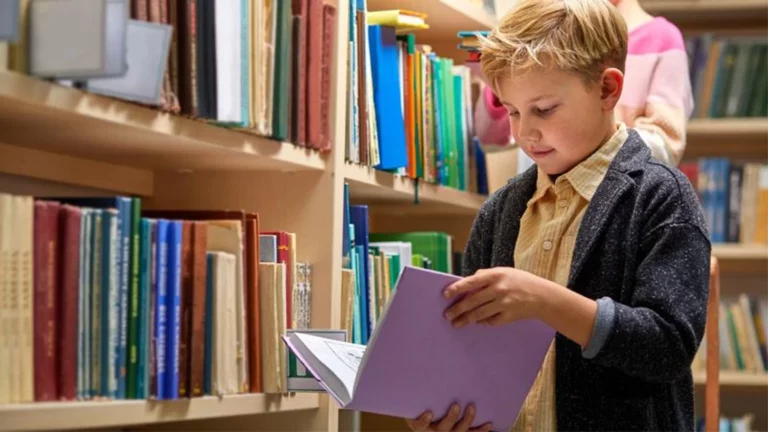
x=133 y=299
x=436 y=247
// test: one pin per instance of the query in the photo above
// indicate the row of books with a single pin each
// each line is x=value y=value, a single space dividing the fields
x=375 y=261
x=743 y=330
x=409 y=111
x=728 y=75
x=729 y=424
x=734 y=197
x=258 y=65
x=102 y=299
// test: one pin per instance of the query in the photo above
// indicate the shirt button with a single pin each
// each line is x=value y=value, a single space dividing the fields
x=547 y=245
x=563 y=203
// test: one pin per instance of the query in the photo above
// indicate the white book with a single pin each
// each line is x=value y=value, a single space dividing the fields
x=5 y=301
x=228 y=61
x=25 y=218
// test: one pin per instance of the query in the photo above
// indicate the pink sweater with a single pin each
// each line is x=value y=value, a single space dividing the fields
x=656 y=100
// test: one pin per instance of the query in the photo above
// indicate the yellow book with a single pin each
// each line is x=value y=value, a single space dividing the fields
x=400 y=19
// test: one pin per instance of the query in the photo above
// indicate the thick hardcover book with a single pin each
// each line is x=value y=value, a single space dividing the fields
x=46 y=229
x=398 y=375
x=68 y=300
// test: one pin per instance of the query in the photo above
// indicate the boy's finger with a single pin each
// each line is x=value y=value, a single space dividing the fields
x=469 y=283
x=469 y=303
x=447 y=423
x=478 y=314
x=422 y=423
x=466 y=421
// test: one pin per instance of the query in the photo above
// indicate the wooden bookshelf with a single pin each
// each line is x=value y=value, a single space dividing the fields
x=397 y=194
x=731 y=379
x=105 y=414
x=741 y=138
x=445 y=17
x=720 y=14
x=45 y=116
x=751 y=252
x=742 y=258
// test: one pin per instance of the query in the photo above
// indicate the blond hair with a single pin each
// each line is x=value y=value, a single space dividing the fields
x=578 y=36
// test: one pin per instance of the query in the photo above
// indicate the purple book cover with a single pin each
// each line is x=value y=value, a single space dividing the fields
x=416 y=361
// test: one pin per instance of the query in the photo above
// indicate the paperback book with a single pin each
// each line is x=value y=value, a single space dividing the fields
x=417 y=361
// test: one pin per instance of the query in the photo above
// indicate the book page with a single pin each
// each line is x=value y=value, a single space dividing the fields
x=341 y=358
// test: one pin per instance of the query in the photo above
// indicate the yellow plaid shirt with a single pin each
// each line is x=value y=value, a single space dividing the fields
x=544 y=247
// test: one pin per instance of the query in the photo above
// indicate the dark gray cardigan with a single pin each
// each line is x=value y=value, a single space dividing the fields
x=643 y=244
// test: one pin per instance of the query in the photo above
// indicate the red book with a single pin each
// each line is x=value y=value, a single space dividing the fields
x=69 y=275
x=45 y=250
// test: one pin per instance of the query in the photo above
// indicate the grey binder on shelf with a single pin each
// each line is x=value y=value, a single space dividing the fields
x=9 y=20
x=147 y=46
x=77 y=39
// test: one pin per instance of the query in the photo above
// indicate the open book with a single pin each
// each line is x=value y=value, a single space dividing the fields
x=416 y=361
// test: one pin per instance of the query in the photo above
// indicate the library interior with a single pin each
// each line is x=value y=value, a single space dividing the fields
x=300 y=155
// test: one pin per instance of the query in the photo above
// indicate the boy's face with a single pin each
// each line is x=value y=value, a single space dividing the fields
x=557 y=118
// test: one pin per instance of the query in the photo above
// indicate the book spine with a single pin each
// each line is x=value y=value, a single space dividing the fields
x=173 y=308
x=125 y=272
x=142 y=311
x=326 y=68
x=131 y=376
x=187 y=289
x=161 y=314
x=209 y=319
x=68 y=301
x=83 y=312
x=198 y=342
x=46 y=222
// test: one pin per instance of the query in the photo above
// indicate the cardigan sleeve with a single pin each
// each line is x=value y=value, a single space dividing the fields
x=656 y=332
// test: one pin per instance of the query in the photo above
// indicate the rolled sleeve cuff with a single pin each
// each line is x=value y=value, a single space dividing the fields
x=606 y=311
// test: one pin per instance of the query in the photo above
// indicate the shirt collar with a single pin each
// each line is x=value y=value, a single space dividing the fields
x=588 y=174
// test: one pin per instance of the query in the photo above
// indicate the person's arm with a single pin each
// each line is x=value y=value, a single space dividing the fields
x=663 y=118
x=491 y=119
x=657 y=333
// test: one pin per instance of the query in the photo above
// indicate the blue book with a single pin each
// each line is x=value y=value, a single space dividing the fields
x=161 y=309
x=174 y=309
x=385 y=76
x=359 y=218
x=210 y=277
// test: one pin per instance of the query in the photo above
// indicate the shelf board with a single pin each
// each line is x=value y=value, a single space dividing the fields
x=38 y=114
x=735 y=379
x=445 y=17
x=104 y=414
x=739 y=138
x=741 y=258
x=693 y=12
x=752 y=252
x=396 y=194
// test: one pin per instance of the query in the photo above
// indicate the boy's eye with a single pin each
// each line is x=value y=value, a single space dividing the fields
x=544 y=111
x=514 y=113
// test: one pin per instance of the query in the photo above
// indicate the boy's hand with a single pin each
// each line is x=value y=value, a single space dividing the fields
x=451 y=422
x=495 y=296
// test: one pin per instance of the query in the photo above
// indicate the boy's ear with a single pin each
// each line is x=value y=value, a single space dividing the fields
x=611 y=85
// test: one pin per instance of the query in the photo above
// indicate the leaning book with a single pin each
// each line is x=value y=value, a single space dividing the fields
x=416 y=361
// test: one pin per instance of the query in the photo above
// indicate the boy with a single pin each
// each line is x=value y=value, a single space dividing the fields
x=657 y=99
x=600 y=240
